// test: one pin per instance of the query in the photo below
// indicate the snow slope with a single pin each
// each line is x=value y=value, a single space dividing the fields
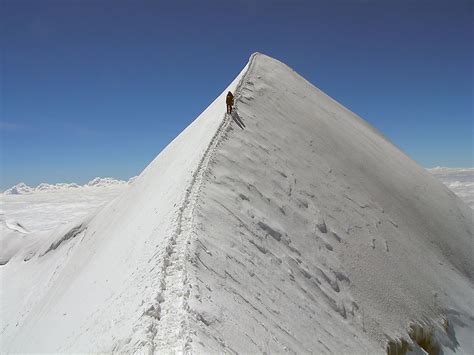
x=95 y=287
x=41 y=212
x=292 y=226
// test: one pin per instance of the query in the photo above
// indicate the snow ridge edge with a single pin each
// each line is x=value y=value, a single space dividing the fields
x=174 y=313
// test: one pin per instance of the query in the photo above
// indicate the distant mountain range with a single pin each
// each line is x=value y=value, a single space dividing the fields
x=22 y=188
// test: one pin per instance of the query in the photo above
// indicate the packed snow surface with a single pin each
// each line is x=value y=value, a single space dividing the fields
x=291 y=226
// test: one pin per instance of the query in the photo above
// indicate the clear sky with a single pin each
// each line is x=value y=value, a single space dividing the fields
x=98 y=88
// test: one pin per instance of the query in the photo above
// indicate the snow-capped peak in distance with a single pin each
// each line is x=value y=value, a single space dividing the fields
x=290 y=226
x=447 y=170
x=102 y=182
x=19 y=189
x=22 y=188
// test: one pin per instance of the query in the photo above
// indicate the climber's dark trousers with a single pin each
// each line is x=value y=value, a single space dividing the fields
x=229 y=108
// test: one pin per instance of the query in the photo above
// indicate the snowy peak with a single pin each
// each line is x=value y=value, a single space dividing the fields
x=288 y=226
x=331 y=218
x=104 y=182
x=18 y=189
x=44 y=187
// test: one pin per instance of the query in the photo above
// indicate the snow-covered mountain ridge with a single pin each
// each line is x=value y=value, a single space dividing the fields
x=22 y=188
x=291 y=226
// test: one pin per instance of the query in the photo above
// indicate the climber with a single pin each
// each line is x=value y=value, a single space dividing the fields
x=229 y=100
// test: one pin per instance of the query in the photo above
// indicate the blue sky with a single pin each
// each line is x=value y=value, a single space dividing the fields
x=98 y=88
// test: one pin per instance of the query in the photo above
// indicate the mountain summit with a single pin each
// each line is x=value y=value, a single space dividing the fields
x=290 y=226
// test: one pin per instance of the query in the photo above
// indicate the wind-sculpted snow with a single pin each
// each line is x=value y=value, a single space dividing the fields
x=291 y=226
x=72 y=233
x=312 y=223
